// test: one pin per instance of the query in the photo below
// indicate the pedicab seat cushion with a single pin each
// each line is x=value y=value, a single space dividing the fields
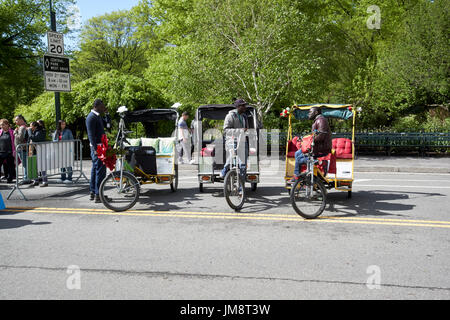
x=132 y=143
x=151 y=142
x=292 y=148
x=343 y=148
x=209 y=151
x=166 y=146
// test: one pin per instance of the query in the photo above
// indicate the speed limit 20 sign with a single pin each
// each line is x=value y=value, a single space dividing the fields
x=55 y=43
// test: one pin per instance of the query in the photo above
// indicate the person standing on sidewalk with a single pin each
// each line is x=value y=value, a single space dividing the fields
x=95 y=130
x=184 y=138
x=38 y=134
x=7 y=149
x=63 y=133
x=21 y=136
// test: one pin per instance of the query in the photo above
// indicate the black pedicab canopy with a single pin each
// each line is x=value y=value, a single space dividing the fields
x=151 y=115
x=219 y=111
x=156 y=122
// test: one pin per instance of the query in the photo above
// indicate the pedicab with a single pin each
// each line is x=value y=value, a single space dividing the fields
x=141 y=160
x=211 y=153
x=334 y=171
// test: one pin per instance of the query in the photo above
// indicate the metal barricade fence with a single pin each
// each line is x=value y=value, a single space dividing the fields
x=49 y=159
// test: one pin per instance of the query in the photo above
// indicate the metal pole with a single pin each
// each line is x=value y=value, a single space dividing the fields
x=57 y=95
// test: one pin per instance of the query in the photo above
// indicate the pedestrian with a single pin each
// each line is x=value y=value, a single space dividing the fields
x=7 y=150
x=38 y=134
x=95 y=129
x=21 y=137
x=184 y=138
x=63 y=133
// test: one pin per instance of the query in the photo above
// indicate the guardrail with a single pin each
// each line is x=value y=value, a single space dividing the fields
x=387 y=142
x=47 y=159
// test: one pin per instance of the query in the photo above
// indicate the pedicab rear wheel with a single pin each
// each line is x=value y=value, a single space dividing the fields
x=115 y=197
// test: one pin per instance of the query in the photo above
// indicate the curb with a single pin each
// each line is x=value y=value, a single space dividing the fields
x=403 y=169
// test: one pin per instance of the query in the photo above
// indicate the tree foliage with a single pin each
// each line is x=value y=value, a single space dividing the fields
x=23 y=23
x=273 y=53
x=108 y=42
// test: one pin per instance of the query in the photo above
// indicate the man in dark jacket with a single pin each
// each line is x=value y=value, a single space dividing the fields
x=322 y=140
x=95 y=130
x=36 y=135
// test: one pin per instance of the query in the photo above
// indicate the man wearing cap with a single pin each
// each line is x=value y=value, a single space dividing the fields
x=236 y=119
x=322 y=140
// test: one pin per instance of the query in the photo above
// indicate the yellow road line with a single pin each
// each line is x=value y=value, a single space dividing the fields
x=206 y=215
x=141 y=212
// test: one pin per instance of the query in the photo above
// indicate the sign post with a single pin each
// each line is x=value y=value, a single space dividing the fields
x=56 y=66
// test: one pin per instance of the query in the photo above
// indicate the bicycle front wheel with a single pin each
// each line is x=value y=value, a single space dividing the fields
x=308 y=201
x=119 y=196
x=234 y=190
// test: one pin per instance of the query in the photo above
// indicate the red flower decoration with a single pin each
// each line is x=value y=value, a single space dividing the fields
x=106 y=154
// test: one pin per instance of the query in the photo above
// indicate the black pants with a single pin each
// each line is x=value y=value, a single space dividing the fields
x=7 y=162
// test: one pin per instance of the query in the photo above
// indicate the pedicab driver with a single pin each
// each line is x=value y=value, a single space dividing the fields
x=236 y=119
x=322 y=141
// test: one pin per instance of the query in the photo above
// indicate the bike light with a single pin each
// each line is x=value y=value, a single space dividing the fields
x=252 y=177
x=165 y=178
x=205 y=178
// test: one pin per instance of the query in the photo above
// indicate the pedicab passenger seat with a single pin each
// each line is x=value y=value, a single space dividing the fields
x=145 y=159
x=292 y=148
x=343 y=148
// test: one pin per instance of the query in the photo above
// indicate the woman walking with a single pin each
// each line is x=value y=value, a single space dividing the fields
x=63 y=133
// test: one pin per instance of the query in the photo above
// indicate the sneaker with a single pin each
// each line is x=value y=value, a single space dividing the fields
x=97 y=199
x=68 y=182
x=44 y=184
x=92 y=196
x=35 y=183
x=192 y=162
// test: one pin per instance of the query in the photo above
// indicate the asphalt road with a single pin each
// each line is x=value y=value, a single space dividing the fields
x=394 y=232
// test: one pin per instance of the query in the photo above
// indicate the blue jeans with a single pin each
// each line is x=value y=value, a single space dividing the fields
x=23 y=157
x=69 y=173
x=242 y=166
x=300 y=159
x=98 y=172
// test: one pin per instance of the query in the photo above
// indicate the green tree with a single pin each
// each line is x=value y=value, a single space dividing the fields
x=23 y=23
x=108 y=42
x=113 y=88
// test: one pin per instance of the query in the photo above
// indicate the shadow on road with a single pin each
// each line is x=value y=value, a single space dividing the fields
x=375 y=203
x=14 y=223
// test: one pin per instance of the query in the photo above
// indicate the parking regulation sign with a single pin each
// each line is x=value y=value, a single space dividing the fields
x=55 y=43
x=57 y=73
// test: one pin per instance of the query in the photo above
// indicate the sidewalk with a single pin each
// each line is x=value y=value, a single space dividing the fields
x=402 y=164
